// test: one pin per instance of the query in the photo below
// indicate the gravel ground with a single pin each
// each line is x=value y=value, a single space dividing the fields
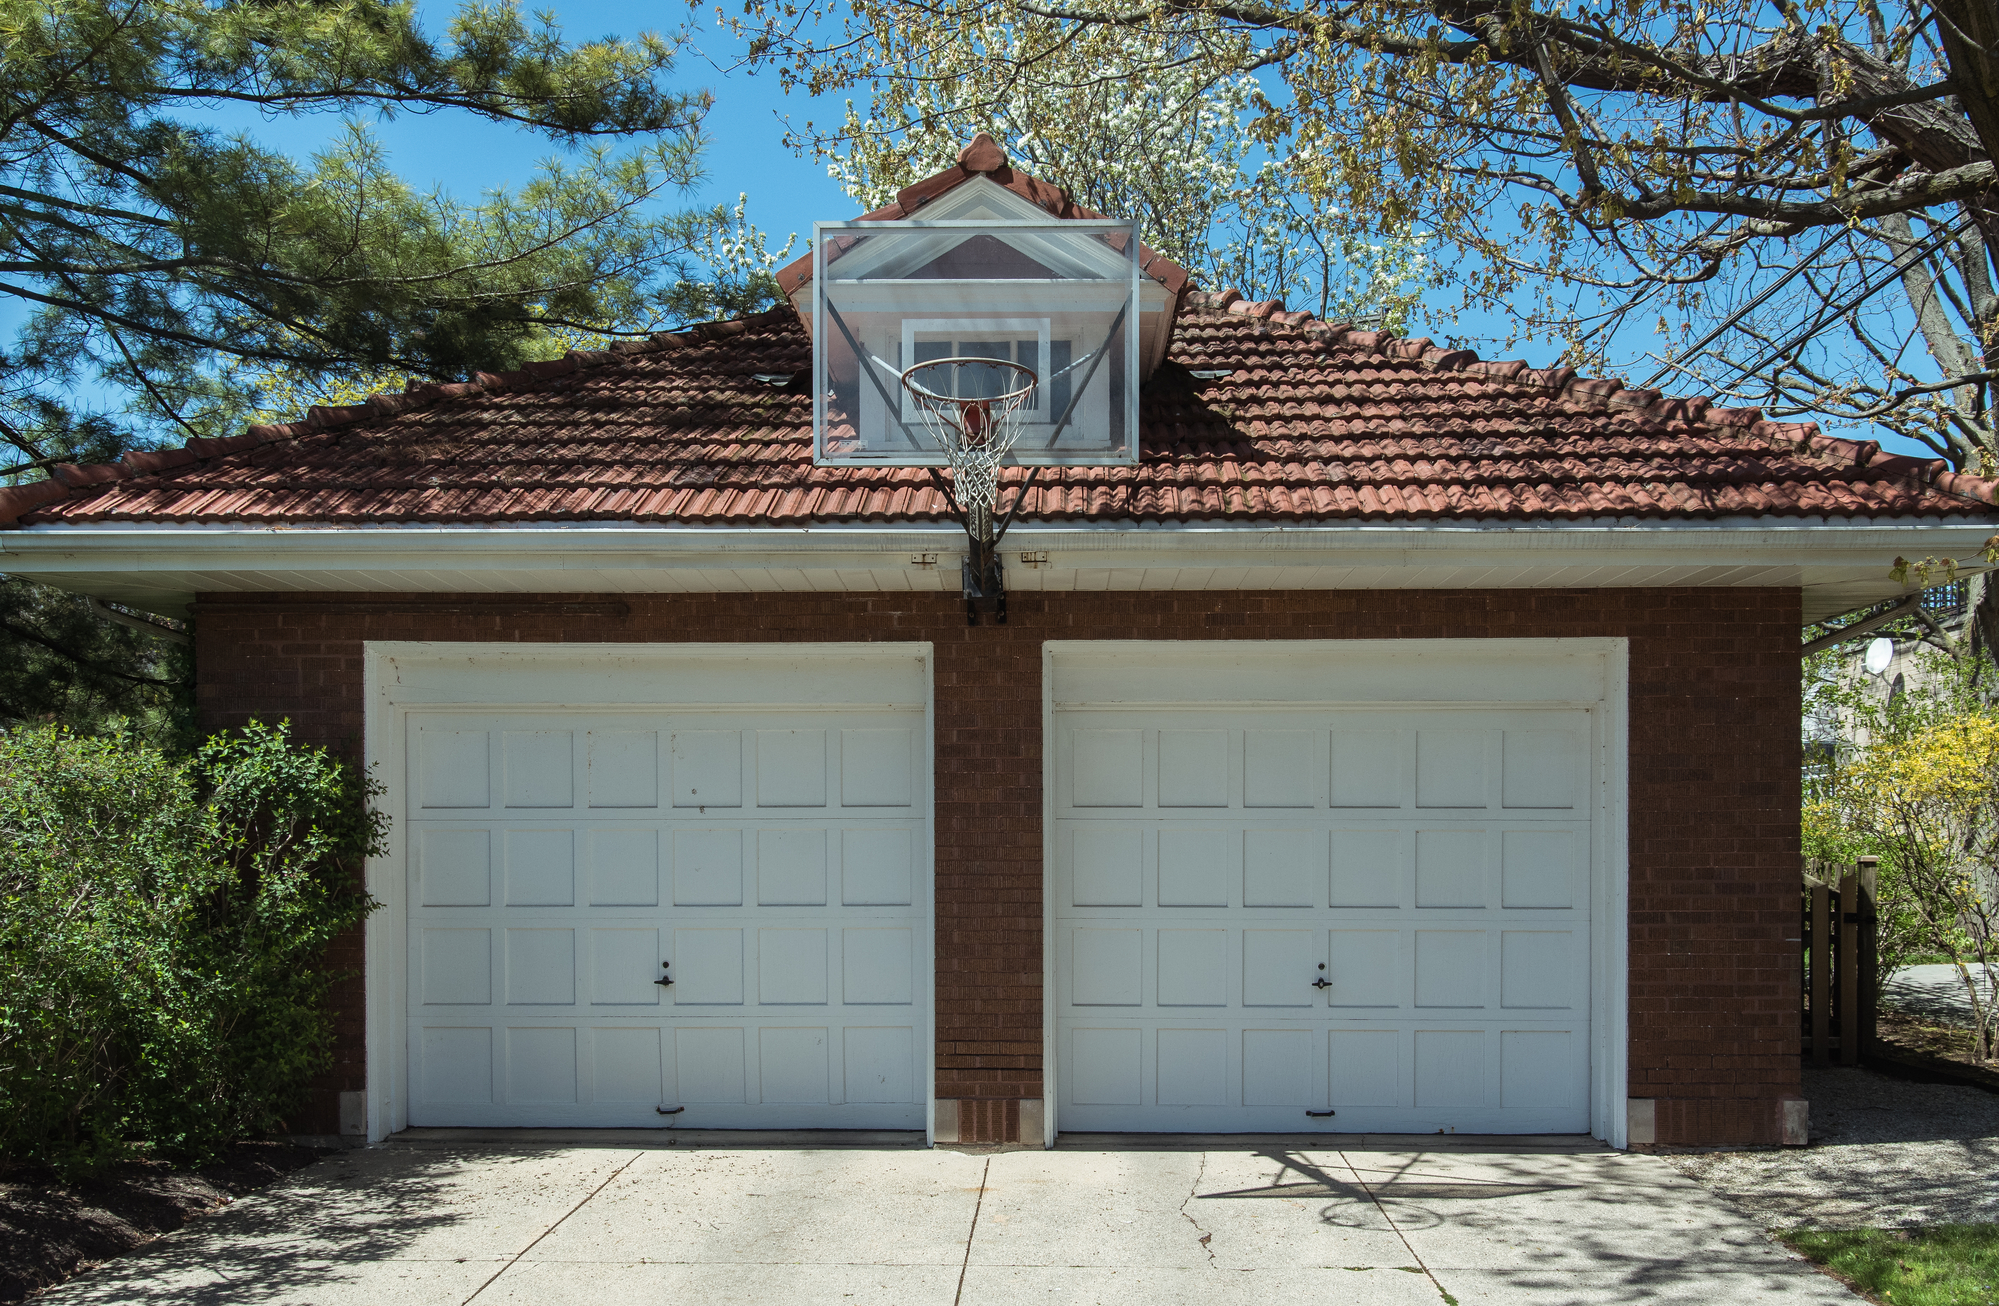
x=1885 y=1153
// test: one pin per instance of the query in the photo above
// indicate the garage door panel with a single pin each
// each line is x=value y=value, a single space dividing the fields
x=1451 y=968
x=1452 y=868
x=1537 y=1069
x=624 y=963
x=876 y=966
x=791 y=867
x=1193 y=1067
x=877 y=867
x=792 y=1065
x=1542 y=768
x=1278 y=967
x=791 y=768
x=1105 y=865
x=710 y=1065
x=1280 y=768
x=774 y=857
x=1539 y=969
x=707 y=967
x=1107 y=768
x=622 y=768
x=1104 y=1066
x=541 y=967
x=455 y=1065
x=541 y=867
x=1194 y=768
x=1364 y=1067
x=1193 y=968
x=1370 y=867
x=456 y=966
x=541 y=1066
x=454 y=868
x=449 y=768
x=1415 y=859
x=791 y=967
x=708 y=868
x=1107 y=967
x=1451 y=767
x=539 y=766
x=1370 y=769
x=1366 y=969
x=1277 y=1068
x=1450 y=1068
x=707 y=769
x=1544 y=869
x=1198 y=866
x=879 y=1064
x=621 y=867
x=877 y=768
x=1284 y=867
x=626 y=1067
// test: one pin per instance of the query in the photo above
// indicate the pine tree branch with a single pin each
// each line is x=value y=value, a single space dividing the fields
x=85 y=662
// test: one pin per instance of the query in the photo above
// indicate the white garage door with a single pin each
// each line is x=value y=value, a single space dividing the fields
x=771 y=863
x=1264 y=914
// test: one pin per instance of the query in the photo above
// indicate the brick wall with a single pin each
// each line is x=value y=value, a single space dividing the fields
x=1713 y=805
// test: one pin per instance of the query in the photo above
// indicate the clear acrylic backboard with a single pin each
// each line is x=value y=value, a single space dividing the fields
x=1059 y=297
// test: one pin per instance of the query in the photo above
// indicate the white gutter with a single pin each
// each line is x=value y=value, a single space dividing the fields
x=168 y=563
x=869 y=536
x=170 y=547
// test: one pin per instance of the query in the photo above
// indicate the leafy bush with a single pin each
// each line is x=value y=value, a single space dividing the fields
x=163 y=924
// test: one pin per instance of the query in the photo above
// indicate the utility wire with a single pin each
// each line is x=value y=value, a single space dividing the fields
x=1868 y=288
x=1743 y=312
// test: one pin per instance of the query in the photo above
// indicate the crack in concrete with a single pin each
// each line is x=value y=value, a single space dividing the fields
x=971 y=1233
x=1207 y=1238
x=516 y=1258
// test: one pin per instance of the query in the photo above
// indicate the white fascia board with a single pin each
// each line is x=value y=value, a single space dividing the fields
x=168 y=563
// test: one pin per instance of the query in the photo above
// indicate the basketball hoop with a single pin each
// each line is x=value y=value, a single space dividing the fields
x=975 y=432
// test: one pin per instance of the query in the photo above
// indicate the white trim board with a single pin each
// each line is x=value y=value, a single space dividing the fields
x=1590 y=673
x=1838 y=565
x=404 y=676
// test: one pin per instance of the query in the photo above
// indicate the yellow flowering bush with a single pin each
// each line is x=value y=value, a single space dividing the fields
x=1927 y=801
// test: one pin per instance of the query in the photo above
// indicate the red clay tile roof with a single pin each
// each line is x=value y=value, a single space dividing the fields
x=1317 y=423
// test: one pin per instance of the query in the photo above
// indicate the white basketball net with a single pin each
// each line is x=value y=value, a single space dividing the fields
x=975 y=433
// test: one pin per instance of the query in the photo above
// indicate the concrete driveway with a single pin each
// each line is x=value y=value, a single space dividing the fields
x=620 y=1220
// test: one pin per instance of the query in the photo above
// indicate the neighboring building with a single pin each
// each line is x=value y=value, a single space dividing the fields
x=1405 y=736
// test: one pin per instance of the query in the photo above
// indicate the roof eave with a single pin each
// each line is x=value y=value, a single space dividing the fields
x=1838 y=565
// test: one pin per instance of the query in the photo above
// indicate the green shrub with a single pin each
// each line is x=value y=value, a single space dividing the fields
x=163 y=924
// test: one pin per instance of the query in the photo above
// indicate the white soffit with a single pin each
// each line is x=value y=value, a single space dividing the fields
x=1838 y=565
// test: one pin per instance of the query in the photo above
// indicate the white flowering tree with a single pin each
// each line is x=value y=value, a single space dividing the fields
x=1128 y=132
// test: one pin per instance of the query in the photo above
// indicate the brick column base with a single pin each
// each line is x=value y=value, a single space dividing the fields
x=1719 y=1122
x=989 y=1120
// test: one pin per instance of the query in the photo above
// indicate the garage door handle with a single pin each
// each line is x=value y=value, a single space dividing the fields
x=664 y=979
x=1320 y=1115
x=1322 y=983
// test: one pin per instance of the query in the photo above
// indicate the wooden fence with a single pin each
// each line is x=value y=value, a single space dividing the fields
x=1839 y=962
